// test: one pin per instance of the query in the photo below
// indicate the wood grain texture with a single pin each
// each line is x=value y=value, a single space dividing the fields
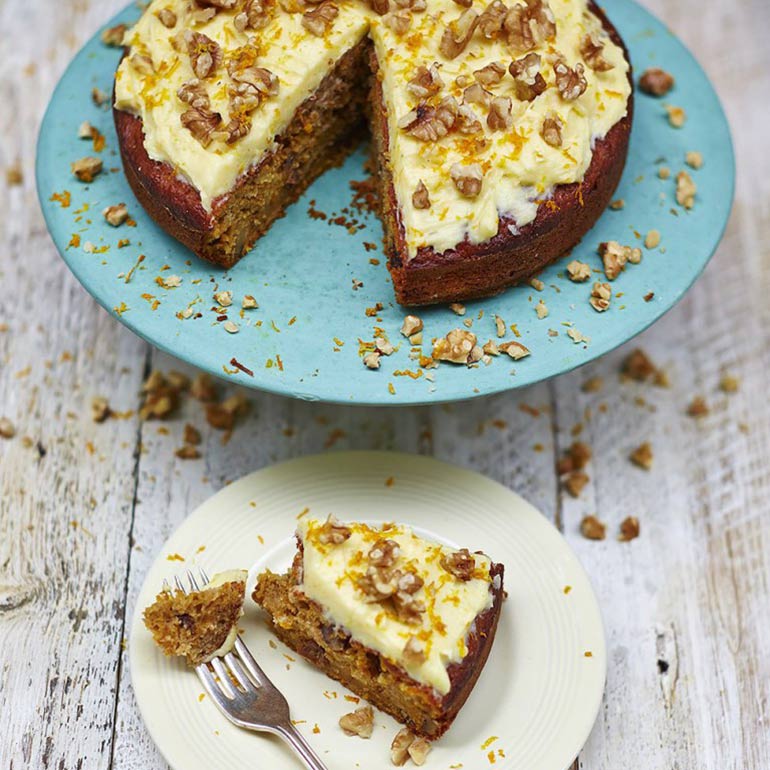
x=685 y=605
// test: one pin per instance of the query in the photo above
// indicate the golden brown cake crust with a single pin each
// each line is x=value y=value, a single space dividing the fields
x=470 y=270
x=299 y=622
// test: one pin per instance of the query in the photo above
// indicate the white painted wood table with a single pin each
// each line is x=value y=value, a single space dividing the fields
x=84 y=507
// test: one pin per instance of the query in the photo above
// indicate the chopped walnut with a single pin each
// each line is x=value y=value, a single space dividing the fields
x=420 y=197
x=205 y=54
x=499 y=117
x=113 y=36
x=515 y=350
x=490 y=349
x=372 y=360
x=204 y=388
x=408 y=609
x=536 y=284
x=398 y=22
x=664 y=172
x=235 y=129
x=384 y=553
x=477 y=94
x=528 y=82
x=223 y=298
x=428 y=124
x=116 y=215
x=380 y=7
x=425 y=82
x=591 y=49
x=614 y=256
x=7 y=429
x=685 y=190
x=499 y=326
x=383 y=346
x=457 y=308
x=253 y=16
x=570 y=82
x=252 y=82
x=467 y=179
x=166 y=17
x=249 y=302
x=319 y=20
x=575 y=482
x=456 y=347
x=414 y=652
x=677 y=117
x=419 y=750
x=578 y=271
x=629 y=529
x=412 y=324
x=459 y=564
x=694 y=159
x=231 y=327
x=161 y=397
x=191 y=435
x=642 y=456
x=592 y=528
x=86 y=130
x=100 y=409
x=492 y=19
x=638 y=366
x=194 y=93
x=551 y=130
x=187 y=452
x=541 y=309
x=85 y=169
x=698 y=407
x=201 y=123
x=457 y=34
x=656 y=82
x=652 y=239
x=617 y=204
x=359 y=722
x=601 y=295
x=575 y=458
x=529 y=25
x=490 y=75
x=332 y=532
x=399 y=748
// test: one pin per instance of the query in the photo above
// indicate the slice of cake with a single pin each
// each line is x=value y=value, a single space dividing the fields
x=401 y=621
x=200 y=625
x=500 y=132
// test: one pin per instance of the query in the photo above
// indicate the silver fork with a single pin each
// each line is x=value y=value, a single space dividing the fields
x=244 y=694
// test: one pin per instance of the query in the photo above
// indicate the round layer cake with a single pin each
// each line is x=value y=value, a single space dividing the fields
x=499 y=133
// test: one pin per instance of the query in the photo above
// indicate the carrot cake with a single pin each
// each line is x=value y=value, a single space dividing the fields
x=199 y=625
x=499 y=132
x=403 y=622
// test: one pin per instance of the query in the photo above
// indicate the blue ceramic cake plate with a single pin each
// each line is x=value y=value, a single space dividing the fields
x=323 y=286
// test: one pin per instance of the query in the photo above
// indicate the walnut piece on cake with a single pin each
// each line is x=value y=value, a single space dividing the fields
x=656 y=82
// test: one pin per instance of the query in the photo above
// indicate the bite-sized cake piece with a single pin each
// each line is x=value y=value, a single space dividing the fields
x=403 y=622
x=200 y=625
x=500 y=132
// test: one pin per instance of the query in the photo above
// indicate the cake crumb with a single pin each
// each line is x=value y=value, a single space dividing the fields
x=578 y=272
x=412 y=325
x=698 y=407
x=677 y=117
x=359 y=722
x=575 y=458
x=85 y=169
x=629 y=529
x=100 y=409
x=593 y=529
x=536 y=284
x=187 y=452
x=729 y=384
x=457 y=308
x=592 y=385
x=652 y=239
x=638 y=366
x=664 y=172
x=601 y=296
x=14 y=175
x=575 y=482
x=694 y=159
x=541 y=309
x=617 y=204
x=685 y=190
x=116 y=215
x=642 y=456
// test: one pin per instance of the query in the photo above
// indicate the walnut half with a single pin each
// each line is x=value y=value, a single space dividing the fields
x=459 y=564
x=359 y=722
x=467 y=179
x=457 y=34
x=571 y=82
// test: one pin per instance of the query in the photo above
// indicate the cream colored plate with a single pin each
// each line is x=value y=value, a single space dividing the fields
x=538 y=695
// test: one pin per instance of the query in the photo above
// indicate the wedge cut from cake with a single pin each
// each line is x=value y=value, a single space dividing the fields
x=401 y=621
x=199 y=625
x=499 y=131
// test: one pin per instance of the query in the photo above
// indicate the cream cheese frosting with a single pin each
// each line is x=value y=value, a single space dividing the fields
x=519 y=167
x=220 y=579
x=423 y=642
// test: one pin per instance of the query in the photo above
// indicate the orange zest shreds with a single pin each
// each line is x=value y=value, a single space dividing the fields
x=74 y=241
x=64 y=198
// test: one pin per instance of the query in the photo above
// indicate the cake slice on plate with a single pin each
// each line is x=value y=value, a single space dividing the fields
x=401 y=621
x=200 y=625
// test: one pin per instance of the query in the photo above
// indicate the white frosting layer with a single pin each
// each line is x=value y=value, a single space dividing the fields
x=220 y=579
x=331 y=574
x=520 y=168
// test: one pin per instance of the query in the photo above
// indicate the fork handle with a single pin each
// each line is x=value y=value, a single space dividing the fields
x=303 y=749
